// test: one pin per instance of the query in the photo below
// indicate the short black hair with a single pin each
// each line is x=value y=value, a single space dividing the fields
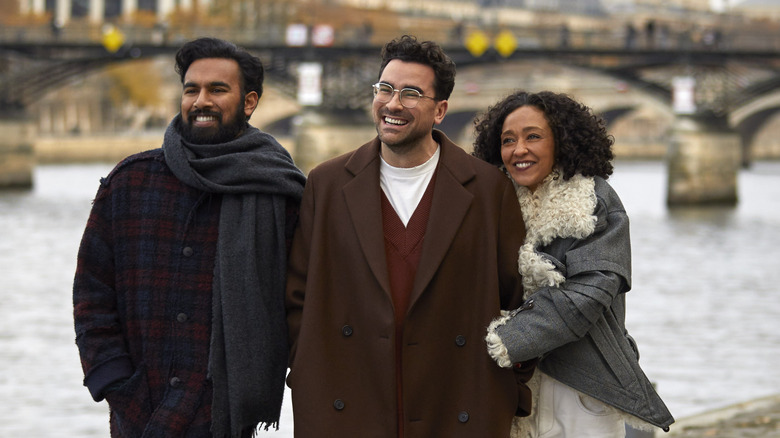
x=251 y=67
x=408 y=49
x=582 y=144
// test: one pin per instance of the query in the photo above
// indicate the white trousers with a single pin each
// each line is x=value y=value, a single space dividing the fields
x=562 y=412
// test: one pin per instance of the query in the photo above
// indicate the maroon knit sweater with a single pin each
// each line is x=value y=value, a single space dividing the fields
x=403 y=246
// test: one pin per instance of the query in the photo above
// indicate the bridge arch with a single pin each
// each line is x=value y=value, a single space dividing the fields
x=750 y=128
x=751 y=118
x=626 y=106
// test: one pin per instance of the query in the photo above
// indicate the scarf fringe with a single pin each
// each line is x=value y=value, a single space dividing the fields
x=253 y=432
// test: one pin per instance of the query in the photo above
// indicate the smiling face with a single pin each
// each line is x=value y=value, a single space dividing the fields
x=213 y=107
x=527 y=146
x=406 y=132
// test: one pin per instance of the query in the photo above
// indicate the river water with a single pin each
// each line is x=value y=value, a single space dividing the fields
x=705 y=308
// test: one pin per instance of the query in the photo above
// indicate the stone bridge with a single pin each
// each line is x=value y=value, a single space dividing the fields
x=734 y=85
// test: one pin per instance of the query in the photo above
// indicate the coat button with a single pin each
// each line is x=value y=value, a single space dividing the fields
x=182 y=317
x=463 y=417
x=338 y=404
x=460 y=340
x=346 y=331
x=175 y=382
x=187 y=251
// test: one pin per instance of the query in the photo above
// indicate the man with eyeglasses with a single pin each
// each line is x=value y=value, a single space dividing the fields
x=405 y=250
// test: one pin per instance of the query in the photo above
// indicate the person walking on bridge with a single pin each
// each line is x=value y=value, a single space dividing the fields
x=179 y=288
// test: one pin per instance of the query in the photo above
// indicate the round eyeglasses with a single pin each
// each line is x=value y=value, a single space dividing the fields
x=409 y=97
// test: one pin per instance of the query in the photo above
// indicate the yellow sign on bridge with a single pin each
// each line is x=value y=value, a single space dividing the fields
x=477 y=43
x=505 y=43
x=113 y=39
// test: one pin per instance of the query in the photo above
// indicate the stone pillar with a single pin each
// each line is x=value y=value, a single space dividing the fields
x=38 y=7
x=97 y=11
x=703 y=162
x=64 y=9
x=165 y=8
x=129 y=8
x=17 y=156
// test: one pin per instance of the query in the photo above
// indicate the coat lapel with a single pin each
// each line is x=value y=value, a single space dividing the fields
x=362 y=195
x=450 y=203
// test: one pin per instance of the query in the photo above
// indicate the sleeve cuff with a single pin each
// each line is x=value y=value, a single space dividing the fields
x=496 y=348
x=105 y=374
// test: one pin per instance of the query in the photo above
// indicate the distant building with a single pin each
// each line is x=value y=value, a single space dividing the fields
x=584 y=7
x=768 y=10
x=98 y=11
x=630 y=6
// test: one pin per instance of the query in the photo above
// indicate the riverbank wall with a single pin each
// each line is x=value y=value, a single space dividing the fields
x=100 y=149
x=754 y=418
x=113 y=148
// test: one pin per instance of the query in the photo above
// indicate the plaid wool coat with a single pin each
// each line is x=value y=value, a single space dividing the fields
x=142 y=299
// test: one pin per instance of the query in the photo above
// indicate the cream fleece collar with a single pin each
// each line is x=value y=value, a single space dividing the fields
x=558 y=208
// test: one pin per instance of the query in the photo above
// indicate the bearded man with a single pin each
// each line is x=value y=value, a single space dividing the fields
x=179 y=287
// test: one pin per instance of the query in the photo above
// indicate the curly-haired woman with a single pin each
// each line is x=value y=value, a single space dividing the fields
x=576 y=267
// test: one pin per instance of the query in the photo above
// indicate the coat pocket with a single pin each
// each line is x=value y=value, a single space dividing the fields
x=615 y=351
x=130 y=405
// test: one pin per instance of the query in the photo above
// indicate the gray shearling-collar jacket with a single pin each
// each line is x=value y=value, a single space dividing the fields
x=576 y=268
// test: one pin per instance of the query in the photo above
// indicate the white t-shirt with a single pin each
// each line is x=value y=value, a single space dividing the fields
x=404 y=187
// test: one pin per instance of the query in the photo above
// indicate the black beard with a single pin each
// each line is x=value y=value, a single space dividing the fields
x=223 y=134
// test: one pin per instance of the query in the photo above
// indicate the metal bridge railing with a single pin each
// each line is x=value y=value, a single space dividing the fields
x=739 y=39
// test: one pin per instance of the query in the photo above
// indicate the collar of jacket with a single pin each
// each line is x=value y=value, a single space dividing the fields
x=558 y=208
x=451 y=202
x=461 y=170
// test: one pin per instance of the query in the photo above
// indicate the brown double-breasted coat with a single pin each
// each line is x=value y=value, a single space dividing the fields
x=341 y=316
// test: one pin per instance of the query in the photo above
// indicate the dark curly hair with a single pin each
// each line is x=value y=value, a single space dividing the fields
x=582 y=144
x=252 y=72
x=408 y=49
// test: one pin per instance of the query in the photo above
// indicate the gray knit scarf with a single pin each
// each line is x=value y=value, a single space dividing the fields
x=248 y=356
